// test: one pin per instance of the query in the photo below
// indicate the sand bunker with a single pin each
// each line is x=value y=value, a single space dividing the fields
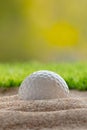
x=57 y=114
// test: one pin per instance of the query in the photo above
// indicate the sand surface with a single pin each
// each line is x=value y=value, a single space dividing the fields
x=57 y=114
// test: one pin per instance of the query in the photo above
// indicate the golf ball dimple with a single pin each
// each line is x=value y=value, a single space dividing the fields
x=42 y=85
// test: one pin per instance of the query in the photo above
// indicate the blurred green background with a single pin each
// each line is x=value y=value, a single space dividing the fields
x=43 y=30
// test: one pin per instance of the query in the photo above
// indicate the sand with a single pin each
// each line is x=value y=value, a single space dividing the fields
x=57 y=114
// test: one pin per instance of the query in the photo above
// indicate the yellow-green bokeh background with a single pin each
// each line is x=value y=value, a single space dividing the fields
x=44 y=30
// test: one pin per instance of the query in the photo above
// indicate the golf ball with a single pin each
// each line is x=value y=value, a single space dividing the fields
x=42 y=85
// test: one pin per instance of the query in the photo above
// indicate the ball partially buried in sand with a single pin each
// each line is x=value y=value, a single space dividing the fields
x=42 y=85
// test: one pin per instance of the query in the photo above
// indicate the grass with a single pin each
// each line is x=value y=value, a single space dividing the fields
x=75 y=74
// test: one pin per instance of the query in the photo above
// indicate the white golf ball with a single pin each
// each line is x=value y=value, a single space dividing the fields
x=43 y=85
